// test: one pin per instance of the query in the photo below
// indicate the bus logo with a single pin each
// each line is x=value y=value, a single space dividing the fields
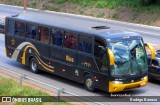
x=70 y=59
x=86 y=64
x=13 y=41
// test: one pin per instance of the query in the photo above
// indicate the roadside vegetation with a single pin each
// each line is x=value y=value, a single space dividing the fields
x=11 y=88
x=137 y=11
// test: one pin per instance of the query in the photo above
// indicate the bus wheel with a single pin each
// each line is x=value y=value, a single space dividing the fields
x=34 y=65
x=89 y=83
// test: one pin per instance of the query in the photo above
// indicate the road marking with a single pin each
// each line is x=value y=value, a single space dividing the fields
x=154 y=44
x=144 y=32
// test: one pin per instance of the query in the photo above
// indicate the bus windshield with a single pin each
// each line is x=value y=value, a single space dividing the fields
x=130 y=57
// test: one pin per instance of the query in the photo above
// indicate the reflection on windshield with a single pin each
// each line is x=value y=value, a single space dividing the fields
x=130 y=57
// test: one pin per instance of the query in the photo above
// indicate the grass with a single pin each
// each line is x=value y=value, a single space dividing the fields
x=114 y=4
x=11 y=88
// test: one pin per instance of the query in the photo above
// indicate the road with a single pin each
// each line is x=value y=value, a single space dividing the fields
x=150 y=34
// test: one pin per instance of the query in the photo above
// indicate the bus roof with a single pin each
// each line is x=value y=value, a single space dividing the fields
x=77 y=24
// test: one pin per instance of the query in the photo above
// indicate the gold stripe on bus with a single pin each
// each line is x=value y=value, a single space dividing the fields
x=111 y=57
x=48 y=69
x=19 y=48
x=38 y=59
x=24 y=53
x=5 y=49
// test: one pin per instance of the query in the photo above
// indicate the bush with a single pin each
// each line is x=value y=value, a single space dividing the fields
x=148 y=2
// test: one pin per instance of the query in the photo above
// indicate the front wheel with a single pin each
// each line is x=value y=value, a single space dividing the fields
x=89 y=83
x=34 y=65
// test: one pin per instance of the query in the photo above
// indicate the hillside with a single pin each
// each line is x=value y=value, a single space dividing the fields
x=123 y=10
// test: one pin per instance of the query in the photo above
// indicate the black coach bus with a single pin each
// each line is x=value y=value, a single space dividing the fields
x=80 y=50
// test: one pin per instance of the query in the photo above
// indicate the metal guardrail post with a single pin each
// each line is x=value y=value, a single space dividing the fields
x=21 y=79
x=58 y=95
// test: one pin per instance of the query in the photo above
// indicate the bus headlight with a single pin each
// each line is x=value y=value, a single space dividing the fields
x=144 y=78
x=117 y=82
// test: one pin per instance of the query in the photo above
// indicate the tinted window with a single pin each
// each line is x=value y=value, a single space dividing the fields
x=11 y=26
x=85 y=44
x=70 y=41
x=43 y=34
x=20 y=29
x=31 y=31
x=56 y=37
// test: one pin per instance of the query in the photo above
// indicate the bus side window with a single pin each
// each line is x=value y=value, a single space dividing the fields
x=31 y=31
x=101 y=55
x=43 y=35
x=70 y=41
x=85 y=44
x=11 y=27
x=20 y=29
x=56 y=37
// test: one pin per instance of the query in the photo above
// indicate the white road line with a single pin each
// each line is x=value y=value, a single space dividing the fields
x=154 y=44
x=144 y=32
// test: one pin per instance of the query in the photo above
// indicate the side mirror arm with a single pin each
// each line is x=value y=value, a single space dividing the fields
x=151 y=49
x=111 y=57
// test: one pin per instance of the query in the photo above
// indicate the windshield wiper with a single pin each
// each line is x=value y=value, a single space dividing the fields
x=121 y=56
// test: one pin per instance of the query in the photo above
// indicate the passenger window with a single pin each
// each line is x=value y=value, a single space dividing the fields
x=11 y=26
x=20 y=29
x=56 y=37
x=85 y=44
x=101 y=55
x=43 y=35
x=31 y=31
x=70 y=41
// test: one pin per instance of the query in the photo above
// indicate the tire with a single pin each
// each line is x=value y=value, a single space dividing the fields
x=89 y=83
x=34 y=65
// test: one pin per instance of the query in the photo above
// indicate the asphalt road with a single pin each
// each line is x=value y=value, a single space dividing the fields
x=150 y=35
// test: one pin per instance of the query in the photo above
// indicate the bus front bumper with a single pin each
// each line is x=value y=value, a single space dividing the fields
x=124 y=87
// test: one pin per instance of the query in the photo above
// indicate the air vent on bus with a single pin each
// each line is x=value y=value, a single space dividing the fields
x=101 y=27
x=15 y=15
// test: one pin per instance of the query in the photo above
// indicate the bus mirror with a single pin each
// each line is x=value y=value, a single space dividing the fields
x=151 y=49
x=111 y=57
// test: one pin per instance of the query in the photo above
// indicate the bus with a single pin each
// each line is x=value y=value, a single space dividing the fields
x=78 y=49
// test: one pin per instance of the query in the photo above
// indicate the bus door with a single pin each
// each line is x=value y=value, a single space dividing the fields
x=102 y=61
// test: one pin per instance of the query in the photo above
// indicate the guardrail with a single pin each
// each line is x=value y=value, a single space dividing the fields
x=23 y=77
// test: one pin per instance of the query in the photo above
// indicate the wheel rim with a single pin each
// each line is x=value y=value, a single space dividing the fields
x=34 y=65
x=89 y=83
